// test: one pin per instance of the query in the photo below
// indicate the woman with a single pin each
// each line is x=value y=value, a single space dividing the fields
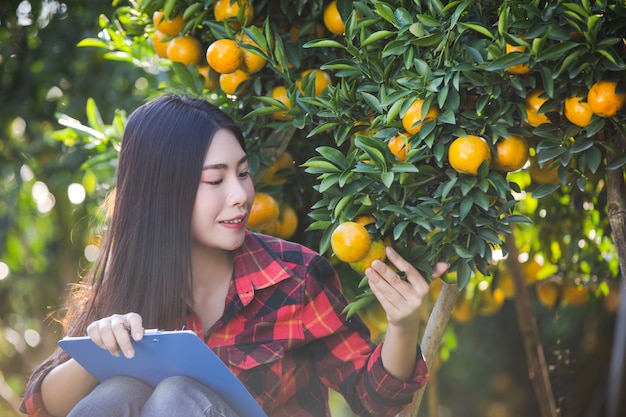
x=177 y=254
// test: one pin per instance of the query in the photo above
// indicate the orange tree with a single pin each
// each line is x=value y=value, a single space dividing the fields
x=334 y=82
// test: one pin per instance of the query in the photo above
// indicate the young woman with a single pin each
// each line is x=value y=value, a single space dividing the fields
x=177 y=254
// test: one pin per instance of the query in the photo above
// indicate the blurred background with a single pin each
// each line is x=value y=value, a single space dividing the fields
x=49 y=215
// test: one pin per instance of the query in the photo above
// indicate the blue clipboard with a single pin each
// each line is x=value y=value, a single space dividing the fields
x=166 y=353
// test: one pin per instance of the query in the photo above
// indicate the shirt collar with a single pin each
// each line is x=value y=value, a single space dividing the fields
x=257 y=266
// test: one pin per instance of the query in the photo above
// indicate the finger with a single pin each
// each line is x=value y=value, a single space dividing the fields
x=121 y=333
x=135 y=324
x=106 y=332
x=413 y=276
x=440 y=269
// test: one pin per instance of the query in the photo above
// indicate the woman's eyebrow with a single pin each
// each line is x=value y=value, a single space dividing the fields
x=224 y=166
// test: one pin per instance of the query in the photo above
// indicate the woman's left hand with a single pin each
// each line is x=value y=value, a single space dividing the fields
x=400 y=298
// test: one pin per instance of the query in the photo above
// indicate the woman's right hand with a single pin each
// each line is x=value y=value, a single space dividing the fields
x=113 y=333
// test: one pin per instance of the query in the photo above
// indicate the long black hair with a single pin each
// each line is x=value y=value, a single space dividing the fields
x=144 y=264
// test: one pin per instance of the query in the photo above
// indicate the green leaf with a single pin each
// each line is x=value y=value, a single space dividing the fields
x=333 y=155
x=545 y=189
x=478 y=28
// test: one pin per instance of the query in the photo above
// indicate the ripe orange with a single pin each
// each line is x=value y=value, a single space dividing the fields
x=287 y=222
x=280 y=93
x=543 y=174
x=239 y=13
x=577 y=111
x=412 y=119
x=531 y=270
x=519 y=69
x=159 y=45
x=234 y=82
x=365 y=219
x=604 y=100
x=376 y=251
x=282 y=168
x=264 y=210
x=511 y=154
x=399 y=146
x=185 y=49
x=332 y=19
x=350 y=242
x=491 y=300
x=575 y=295
x=317 y=31
x=533 y=104
x=547 y=293
x=211 y=78
x=252 y=62
x=506 y=284
x=224 y=56
x=467 y=153
x=322 y=80
x=171 y=26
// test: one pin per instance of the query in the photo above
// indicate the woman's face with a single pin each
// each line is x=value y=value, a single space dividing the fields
x=224 y=195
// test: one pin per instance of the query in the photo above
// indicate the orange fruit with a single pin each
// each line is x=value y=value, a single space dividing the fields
x=322 y=80
x=365 y=219
x=547 y=293
x=350 y=242
x=511 y=154
x=506 y=284
x=399 y=145
x=287 y=222
x=264 y=210
x=519 y=69
x=577 y=111
x=376 y=251
x=467 y=153
x=533 y=104
x=491 y=300
x=252 y=62
x=233 y=82
x=543 y=174
x=280 y=170
x=574 y=294
x=531 y=270
x=332 y=19
x=280 y=93
x=604 y=100
x=211 y=78
x=171 y=26
x=412 y=119
x=186 y=49
x=224 y=56
x=239 y=13
x=159 y=45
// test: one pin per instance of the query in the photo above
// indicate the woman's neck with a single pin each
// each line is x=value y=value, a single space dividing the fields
x=210 y=267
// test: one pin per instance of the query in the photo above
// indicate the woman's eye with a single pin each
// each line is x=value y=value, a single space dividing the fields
x=215 y=182
x=244 y=174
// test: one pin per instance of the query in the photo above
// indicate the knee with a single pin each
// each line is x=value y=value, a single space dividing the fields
x=118 y=395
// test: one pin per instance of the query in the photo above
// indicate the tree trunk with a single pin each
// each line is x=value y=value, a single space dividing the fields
x=538 y=370
x=431 y=340
x=616 y=210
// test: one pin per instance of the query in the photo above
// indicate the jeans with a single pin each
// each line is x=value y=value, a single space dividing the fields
x=176 y=396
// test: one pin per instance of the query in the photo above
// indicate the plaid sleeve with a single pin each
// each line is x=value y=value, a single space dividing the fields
x=346 y=359
x=32 y=403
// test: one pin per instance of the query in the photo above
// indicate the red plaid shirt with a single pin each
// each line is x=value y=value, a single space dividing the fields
x=283 y=335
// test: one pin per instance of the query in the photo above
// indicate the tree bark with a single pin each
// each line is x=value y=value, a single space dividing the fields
x=538 y=370
x=616 y=210
x=431 y=340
